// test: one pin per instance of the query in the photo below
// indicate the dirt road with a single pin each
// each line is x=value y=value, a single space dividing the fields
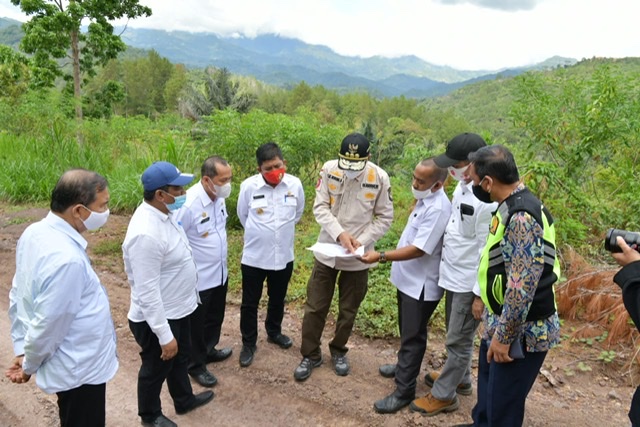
x=265 y=394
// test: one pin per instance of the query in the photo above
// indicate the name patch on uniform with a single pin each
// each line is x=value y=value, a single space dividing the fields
x=336 y=178
x=374 y=186
x=259 y=196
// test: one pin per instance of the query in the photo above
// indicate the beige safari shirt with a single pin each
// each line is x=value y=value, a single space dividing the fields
x=362 y=206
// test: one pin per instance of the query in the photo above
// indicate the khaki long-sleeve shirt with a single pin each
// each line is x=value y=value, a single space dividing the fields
x=362 y=206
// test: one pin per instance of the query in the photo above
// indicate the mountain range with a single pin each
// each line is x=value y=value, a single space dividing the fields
x=284 y=61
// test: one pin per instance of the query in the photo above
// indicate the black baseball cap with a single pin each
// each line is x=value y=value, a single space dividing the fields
x=459 y=148
x=354 y=152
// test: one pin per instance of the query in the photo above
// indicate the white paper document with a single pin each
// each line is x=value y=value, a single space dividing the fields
x=335 y=250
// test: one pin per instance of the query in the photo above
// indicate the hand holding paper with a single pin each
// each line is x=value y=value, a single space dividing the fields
x=335 y=250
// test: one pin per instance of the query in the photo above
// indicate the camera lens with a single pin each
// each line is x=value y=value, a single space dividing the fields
x=629 y=237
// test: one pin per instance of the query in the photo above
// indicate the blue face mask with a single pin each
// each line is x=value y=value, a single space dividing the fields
x=178 y=201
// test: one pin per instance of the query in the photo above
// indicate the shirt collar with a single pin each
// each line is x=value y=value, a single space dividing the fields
x=155 y=211
x=202 y=194
x=60 y=224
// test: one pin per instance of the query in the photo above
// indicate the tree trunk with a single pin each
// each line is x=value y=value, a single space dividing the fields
x=77 y=95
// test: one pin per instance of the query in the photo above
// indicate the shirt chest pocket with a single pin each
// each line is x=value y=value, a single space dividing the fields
x=204 y=228
x=260 y=209
x=368 y=195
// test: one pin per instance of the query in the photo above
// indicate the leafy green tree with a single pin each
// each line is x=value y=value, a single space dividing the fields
x=54 y=33
x=15 y=73
x=174 y=86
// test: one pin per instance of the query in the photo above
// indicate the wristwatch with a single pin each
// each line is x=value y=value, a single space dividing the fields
x=383 y=258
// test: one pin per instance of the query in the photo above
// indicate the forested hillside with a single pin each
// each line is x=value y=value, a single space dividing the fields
x=575 y=133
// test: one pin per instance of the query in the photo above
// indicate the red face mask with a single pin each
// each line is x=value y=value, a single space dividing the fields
x=274 y=176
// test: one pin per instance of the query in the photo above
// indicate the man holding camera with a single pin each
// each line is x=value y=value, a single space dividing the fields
x=628 y=278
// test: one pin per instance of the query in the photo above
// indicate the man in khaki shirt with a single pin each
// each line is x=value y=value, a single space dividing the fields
x=354 y=208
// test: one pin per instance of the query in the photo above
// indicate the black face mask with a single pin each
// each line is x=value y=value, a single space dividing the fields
x=481 y=194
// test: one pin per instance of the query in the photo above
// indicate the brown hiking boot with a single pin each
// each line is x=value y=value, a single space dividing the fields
x=462 y=389
x=429 y=405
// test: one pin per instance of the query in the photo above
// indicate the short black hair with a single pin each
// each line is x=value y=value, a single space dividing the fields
x=497 y=162
x=267 y=152
x=76 y=186
x=209 y=166
x=148 y=195
x=439 y=173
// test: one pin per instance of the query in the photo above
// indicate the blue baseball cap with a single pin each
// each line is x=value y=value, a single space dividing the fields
x=160 y=174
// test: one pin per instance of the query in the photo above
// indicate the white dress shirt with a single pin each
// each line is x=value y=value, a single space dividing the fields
x=464 y=239
x=269 y=216
x=59 y=310
x=160 y=270
x=424 y=230
x=204 y=222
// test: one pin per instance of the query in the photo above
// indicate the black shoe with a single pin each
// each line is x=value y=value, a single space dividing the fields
x=390 y=404
x=219 y=355
x=282 y=341
x=246 y=355
x=340 y=364
x=388 y=370
x=200 y=399
x=161 y=421
x=303 y=371
x=205 y=379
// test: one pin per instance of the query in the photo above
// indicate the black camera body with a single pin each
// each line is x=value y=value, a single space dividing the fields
x=631 y=238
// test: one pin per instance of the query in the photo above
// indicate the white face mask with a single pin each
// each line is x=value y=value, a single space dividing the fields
x=457 y=173
x=95 y=220
x=421 y=194
x=223 y=191
x=352 y=174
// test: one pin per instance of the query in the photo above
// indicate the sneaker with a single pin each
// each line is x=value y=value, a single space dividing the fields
x=462 y=389
x=280 y=340
x=246 y=355
x=340 y=364
x=429 y=405
x=303 y=371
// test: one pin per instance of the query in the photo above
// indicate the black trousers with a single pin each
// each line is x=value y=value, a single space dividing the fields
x=252 y=282
x=206 y=323
x=503 y=388
x=413 y=317
x=154 y=370
x=82 y=406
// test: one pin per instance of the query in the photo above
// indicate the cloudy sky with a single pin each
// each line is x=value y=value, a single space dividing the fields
x=465 y=34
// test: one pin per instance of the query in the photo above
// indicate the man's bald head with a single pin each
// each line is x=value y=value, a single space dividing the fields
x=76 y=186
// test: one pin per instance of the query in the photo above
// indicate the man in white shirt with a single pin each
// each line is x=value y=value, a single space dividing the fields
x=61 y=324
x=270 y=204
x=414 y=271
x=163 y=278
x=464 y=240
x=204 y=218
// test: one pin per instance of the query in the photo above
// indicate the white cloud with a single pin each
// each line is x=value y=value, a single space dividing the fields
x=465 y=34
x=498 y=4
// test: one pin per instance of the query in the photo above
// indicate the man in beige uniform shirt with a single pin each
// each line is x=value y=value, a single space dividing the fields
x=354 y=208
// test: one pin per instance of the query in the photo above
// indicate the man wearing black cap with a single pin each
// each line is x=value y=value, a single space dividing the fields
x=162 y=276
x=464 y=239
x=354 y=208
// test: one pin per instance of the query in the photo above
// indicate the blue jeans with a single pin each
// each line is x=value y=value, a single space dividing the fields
x=503 y=388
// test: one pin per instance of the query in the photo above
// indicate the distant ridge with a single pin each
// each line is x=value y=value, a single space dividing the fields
x=286 y=61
